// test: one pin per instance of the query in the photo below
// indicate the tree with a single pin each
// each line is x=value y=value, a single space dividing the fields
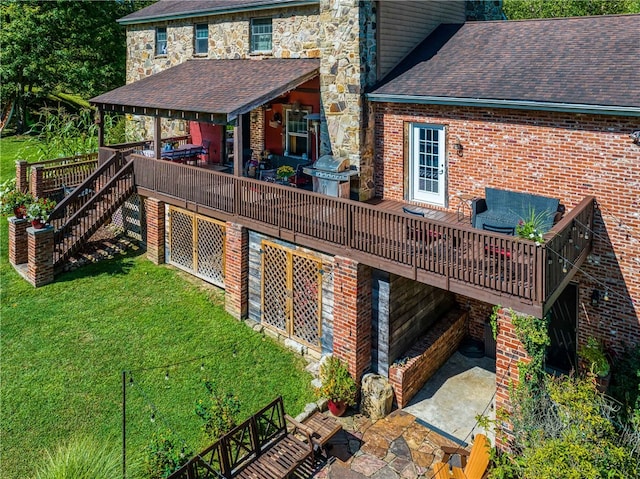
x=61 y=45
x=525 y=9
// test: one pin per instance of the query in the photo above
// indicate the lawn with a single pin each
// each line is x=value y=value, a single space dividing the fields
x=64 y=347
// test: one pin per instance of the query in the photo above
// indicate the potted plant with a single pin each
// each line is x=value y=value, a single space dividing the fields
x=337 y=385
x=39 y=211
x=595 y=360
x=285 y=172
x=12 y=200
x=530 y=228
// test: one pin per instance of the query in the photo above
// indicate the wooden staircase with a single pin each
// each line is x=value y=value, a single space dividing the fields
x=78 y=216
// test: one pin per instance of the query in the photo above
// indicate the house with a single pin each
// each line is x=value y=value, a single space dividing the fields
x=424 y=111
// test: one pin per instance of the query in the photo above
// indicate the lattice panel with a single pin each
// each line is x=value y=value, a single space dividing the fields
x=274 y=287
x=306 y=300
x=210 y=263
x=181 y=238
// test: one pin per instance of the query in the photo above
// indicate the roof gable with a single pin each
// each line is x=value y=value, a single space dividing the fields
x=175 y=9
x=590 y=61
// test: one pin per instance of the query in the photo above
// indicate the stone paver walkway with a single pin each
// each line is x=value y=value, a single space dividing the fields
x=396 y=447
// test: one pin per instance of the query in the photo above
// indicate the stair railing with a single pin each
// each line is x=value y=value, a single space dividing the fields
x=93 y=212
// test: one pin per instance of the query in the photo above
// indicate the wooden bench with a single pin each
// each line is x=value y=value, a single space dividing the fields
x=268 y=445
x=475 y=467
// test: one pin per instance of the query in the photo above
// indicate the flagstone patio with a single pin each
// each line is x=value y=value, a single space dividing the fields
x=396 y=447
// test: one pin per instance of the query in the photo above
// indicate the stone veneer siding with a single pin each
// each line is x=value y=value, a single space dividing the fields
x=347 y=67
x=562 y=155
x=295 y=33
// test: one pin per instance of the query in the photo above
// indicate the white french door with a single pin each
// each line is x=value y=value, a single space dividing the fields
x=427 y=164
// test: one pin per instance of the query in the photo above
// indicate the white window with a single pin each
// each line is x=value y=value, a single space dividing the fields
x=201 y=39
x=261 y=35
x=297 y=132
x=427 y=164
x=161 y=41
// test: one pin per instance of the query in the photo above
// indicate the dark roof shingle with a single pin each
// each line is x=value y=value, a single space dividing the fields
x=228 y=87
x=182 y=8
x=581 y=61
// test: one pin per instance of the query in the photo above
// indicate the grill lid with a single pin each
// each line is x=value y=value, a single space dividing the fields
x=331 y=163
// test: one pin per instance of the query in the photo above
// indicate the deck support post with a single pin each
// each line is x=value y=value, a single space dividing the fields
x=40 y=252
x=352 y=315
x=236 y=277
x=238 y=147
x=155 y=213
x=509 y=353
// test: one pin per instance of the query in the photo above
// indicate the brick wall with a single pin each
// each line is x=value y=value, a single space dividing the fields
x=563 y=155
x=509 y=352
x=18 y=250
x=236 y=276
x=427 y=355
x=40 y=251
x=155 y=214
x=352 y=315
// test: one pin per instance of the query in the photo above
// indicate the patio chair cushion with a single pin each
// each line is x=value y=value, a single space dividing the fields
x=503 y=208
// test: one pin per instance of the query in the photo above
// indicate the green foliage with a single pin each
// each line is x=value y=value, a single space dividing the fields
x=219 y=411
x=593 y=353
x=63 y=134
x=284 y=172
x=533 y=334
x=165 y=454
x=625 y=383
x=530 y=228
x=337 y=383
x=40 y=209
x=11 y=198
x=493 y=320
x=525 y=9
x=81 y=458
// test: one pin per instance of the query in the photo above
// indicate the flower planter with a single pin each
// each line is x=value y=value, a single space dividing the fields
x=37 y=224
x=20 y=212
x=337 y=408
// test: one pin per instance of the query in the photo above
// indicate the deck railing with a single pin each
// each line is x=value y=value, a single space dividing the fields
x=53 y=175
x=452 y=256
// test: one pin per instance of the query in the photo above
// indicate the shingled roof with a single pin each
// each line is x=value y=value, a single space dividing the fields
x=173 y=9
x=218 y=87
x=571 y=64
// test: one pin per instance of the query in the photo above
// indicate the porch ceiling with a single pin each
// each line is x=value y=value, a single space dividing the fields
x=216 y=91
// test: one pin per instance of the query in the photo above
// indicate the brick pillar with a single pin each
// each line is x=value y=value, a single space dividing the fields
x=22 y=183
x=352 y=315
x=40 y=252
x=509 y=352
x=236 y=276
x=18 y=250
x=155 y=213
x=36 y=184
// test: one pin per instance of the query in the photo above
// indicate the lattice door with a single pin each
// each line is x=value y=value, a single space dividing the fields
x=292 y=293
x=196 y=244
x=275 y=296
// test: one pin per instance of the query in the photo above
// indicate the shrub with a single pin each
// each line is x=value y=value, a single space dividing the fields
x=81 y=458
x=219 y=412
x=337 y=383
x=11 y=198
x=41 y=209
x=165 y=454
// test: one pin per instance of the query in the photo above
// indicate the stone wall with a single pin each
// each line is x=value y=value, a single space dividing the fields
x=561 y=155
x=347 y=66
x=295 y=32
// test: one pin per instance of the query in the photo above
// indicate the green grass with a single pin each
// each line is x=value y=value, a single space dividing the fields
x=17 y=147
x=64 y=347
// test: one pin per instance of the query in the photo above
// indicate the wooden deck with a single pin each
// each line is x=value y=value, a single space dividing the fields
x=437 y=249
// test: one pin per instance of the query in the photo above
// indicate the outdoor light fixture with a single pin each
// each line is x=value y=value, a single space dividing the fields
x=459 y=148
x=635 y=136
x=595 y=298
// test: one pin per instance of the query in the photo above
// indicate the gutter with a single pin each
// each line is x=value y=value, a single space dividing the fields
x=218 y=11
x=513 y=104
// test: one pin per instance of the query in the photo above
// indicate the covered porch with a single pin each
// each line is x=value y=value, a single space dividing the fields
x=235 y=116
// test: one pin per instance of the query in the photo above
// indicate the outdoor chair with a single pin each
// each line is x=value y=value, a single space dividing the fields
x=204 y=155
x=474 y=464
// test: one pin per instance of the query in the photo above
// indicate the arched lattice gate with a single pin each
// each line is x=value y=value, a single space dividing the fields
x=196 y=244
x=292 y=293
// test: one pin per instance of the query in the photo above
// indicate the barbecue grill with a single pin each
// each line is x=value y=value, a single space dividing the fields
x=331 y=176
